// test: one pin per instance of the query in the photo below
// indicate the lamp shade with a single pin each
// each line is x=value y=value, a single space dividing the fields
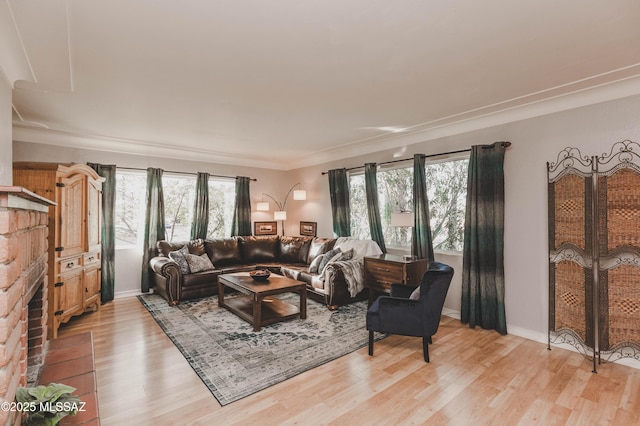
x=299 y=194
x=280 y=215
x=402 y=219
x=263 y=206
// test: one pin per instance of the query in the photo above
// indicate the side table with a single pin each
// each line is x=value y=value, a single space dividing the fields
x=383 y=270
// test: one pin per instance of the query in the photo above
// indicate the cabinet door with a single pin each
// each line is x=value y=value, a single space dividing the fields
x=91 y=282
x=94 y=201
x=68 y=292
x=72 y=225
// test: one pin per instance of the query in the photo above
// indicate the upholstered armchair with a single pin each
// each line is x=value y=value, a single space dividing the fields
x=412 y=311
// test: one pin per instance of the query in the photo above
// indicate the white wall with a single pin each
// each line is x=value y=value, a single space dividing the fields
x=535 y=142
x=6 y=170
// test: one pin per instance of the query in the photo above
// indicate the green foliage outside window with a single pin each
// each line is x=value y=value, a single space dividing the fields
x=446 y=189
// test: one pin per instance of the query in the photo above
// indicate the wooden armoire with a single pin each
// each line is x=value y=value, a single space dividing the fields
x=74 y=235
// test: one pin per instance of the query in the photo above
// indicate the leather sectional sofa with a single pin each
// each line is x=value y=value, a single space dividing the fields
x=286 y=255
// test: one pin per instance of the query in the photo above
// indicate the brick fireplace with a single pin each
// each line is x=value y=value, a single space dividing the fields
x=23 y=290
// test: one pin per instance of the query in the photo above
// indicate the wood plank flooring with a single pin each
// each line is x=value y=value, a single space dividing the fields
x=475 y=377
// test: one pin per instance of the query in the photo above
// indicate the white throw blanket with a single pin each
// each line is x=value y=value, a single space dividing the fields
x=353 y=271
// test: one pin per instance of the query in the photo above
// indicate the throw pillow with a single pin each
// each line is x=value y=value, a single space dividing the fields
x=199 y=263
x=196 y=247
x=328 y=257
x=178 y=257
x=415 y=295
x=313 y=268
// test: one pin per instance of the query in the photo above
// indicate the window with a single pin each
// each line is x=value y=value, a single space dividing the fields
x=129 y=208
x=446 y=189
x=222 y=196
x=179 y=194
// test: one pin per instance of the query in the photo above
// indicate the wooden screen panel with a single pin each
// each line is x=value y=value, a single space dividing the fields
x=570 y=298
x=623 y=209
x=569 y=215
x=623 y=305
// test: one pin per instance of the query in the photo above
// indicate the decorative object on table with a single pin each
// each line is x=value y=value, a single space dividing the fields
x=402 y=219
x=260 y=274
x=281 y=213
x=222 y=348
x=265 y=228
x=308 y=228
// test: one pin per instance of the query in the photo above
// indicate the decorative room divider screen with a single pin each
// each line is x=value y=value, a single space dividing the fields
x=594 y=252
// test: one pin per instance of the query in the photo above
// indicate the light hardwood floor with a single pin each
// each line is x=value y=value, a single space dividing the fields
x=475 y=377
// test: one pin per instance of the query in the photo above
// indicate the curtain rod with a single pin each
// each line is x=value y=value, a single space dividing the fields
x=505 y=144
x=181 y=173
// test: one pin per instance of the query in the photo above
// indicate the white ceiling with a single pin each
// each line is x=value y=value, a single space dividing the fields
x=290 y=83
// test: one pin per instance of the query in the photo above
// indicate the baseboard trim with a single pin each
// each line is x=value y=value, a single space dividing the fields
x=128 y=293
x=543 y=338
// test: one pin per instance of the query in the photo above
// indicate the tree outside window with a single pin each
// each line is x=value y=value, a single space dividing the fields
x=179 y=196
x=222 y=196
x=446 y=189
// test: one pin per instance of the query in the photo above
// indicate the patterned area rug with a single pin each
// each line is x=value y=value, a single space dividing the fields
x=233 y=361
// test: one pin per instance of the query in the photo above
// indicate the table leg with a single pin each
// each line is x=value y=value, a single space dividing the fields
x=220 y=294
x=257 y=312
x=303 y=303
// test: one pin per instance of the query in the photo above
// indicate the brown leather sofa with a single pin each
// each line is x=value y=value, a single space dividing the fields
x=290 y=256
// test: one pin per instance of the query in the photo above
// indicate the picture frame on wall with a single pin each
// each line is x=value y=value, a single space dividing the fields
x=308 y=228
x=265 y=228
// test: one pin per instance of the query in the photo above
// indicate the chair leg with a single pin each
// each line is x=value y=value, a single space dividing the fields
x=370 y=342
x=425 y=348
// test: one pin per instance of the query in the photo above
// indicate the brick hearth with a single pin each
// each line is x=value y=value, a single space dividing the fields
x=23 y=292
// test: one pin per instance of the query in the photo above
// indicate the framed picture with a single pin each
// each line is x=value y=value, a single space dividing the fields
x=265 y=228
x=308 y=228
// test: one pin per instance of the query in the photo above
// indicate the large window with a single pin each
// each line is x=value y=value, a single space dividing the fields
x=129 y=208
x=179 y=193
x=222 y=196
x=446 y=189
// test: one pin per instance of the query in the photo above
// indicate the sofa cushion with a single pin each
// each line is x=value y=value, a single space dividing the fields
x=198 y=263
x=331 y=255
x=315 y=264
x=178 y=256
x=194 y=247
x=294 y=249
x=223 y=251
x=259 y=249
x=319 y=246
x=209 y=277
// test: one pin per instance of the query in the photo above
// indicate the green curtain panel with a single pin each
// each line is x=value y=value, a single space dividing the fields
x=242 y=211
x=483 y=253
x=421 y=241
x=340 y=209
x=200 y=220
x=373 y=206
x=154 y=228
x=108 y=230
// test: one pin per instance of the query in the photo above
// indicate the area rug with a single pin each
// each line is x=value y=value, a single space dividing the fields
x=233 y=361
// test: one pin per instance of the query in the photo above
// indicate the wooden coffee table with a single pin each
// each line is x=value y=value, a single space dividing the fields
x=255 y=305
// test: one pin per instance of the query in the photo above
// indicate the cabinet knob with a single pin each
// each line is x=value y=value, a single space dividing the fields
x=384 y=269
x=70 y=265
